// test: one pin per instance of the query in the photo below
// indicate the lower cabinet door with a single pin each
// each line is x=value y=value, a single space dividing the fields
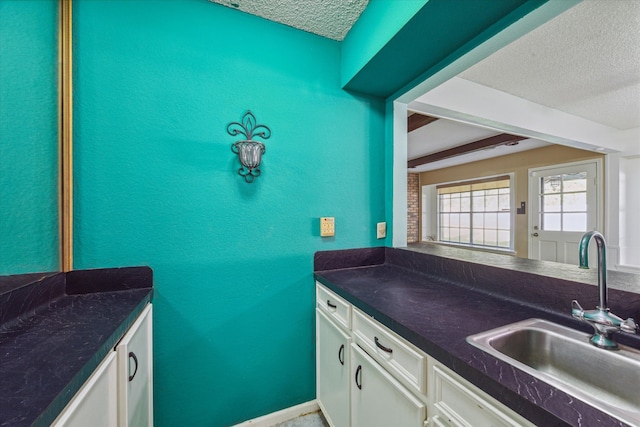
x=135 y=374
x=377 y=399
x=332 y=367
x=95 y=404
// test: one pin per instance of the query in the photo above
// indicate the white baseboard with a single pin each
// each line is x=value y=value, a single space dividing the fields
x=286 y=414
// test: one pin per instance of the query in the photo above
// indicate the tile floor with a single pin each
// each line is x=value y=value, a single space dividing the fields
x=314 y=419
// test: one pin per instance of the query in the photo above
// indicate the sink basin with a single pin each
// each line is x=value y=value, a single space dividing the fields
x=564 y=358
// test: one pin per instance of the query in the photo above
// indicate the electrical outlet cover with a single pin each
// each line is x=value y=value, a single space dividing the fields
x=327 y=226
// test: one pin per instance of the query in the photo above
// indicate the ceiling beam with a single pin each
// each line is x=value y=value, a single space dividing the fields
x=493 y=141
x=417 y=120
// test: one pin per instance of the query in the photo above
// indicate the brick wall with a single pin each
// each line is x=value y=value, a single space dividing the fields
x=413 y=208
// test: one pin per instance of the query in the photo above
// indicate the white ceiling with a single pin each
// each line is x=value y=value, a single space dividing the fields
x=585 y=62
x=328 y=18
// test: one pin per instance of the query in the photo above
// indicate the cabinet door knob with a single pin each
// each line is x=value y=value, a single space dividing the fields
x=535 y=234
x=341 y=355
x=381 y=347
x=132 y=355
x=331 y=305
x=359 y=371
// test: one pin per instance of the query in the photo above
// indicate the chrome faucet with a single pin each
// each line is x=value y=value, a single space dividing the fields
x=604 y=323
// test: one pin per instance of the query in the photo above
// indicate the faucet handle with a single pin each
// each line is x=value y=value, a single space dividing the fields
x=629 y=326
x=576 y=310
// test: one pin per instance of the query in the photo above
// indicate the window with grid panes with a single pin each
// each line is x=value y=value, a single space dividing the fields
x=476 y=213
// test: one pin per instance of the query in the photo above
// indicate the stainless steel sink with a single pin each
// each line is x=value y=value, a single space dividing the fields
x=565 y=359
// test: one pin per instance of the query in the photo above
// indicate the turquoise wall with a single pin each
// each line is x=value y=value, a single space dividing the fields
x=379 y=23
x=156 y=83
x=28 y=136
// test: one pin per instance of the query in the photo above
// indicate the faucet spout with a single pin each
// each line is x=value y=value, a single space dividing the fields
x=583 y=254
x=604 y=323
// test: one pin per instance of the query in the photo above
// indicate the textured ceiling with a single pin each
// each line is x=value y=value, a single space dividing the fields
x=585 y=62
x=328 y=18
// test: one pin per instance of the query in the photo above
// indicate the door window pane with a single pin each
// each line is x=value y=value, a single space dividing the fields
x=574 y=182
x=565 y=195
x=552 y=203
x=574 y=221
x=552 y=222
x=576 y=202
x=551 y=184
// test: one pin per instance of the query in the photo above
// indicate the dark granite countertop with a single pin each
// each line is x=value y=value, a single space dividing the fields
x=55 y=329
x=435 y=301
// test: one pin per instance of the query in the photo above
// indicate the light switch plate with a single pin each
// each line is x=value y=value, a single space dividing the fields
x=381 y=230
x=327 y=226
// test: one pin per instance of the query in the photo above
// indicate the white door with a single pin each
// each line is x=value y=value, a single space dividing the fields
x=96 y=403
x=565 y=202
x=378 y=399
x=135 y=373
x=332 y=364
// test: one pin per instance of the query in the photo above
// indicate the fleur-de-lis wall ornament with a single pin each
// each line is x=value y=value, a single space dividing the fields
x=249 y=151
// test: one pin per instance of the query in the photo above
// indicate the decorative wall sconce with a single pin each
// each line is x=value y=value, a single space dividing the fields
x=249 y=151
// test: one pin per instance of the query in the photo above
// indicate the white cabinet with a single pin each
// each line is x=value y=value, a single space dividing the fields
x=391 y=382
x=135 y=374
x=332 y=366
x=119 y=392
x=352 y=388
x=95 y=404
x=378 y=399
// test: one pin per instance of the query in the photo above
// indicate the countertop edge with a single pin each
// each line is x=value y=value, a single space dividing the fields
x=109 y=344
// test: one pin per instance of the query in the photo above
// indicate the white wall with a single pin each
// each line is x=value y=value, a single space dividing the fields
x=629 y=211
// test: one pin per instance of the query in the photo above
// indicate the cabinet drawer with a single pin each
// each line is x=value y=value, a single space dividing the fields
x=391 y=351
x=461 y=404
x=335 y=307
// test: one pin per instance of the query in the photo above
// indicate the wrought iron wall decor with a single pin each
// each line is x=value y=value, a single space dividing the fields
x=249 y=151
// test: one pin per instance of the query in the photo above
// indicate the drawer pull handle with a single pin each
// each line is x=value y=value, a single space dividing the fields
x=132 y=355
x=359 y=371
x=381 y=347
x=331 y=305
x=341 y=355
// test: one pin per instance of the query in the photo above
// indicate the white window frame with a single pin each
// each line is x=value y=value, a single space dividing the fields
x=512 y=212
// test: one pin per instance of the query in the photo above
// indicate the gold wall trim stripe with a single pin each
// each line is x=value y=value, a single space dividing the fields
x=65 y=134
